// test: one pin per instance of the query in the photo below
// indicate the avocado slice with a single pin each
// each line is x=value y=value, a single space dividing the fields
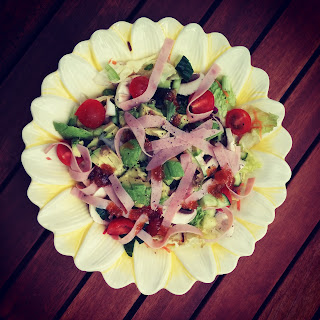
x=122 y=121
x=107 y=156
x=70 y=132
x=149 y=110
x=156 y=132
x=130 y=153
x=74 y=143
x=110 y=130
x=94 y=143
x=134 y=175
x=140 y=193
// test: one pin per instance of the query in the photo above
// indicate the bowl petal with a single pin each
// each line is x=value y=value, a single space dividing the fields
x=64 y=213
x=241 y=242
x=226 y=260
x=82 y=49
x=123 y=29
x=69 y=243
x=52 y=85
x=151 y=268
x=236 y=64
x=268 y=105
x=258 y=232
x=217 y=45
x=256 y=209
x=47 y=109
x=256 y=86
x=274 y=172
x=33 y=135
x=41 y=194
x=106 y=45
x=170 y=27
x=45 y=168
x=276 y=195
x=191 y=42
x=199 y=262
x=279 y=143
x=180 y=280
x=77 y=76
x=121 y=273
x=97 y=251
x=147 y=38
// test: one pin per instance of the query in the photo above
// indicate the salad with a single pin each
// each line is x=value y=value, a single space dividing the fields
x=162 y=156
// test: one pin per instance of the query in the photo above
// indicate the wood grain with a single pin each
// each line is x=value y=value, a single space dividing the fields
x=298 y=297
x=43 y=287
x=242 y=292
x=19 y=228
x=289 y=45
x=99 y=301
x=20 y=21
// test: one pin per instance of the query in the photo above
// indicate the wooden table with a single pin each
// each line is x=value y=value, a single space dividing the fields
x=280 y=280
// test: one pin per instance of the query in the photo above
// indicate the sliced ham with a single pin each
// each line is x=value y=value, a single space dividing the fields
x=227 y=157
x=154 y=78
x=204 y=86
x=179 y=195
x=90 y=189
x=95 y=201
x=117 y=140
x=137 y=129
x=179 y=228
x=247 y=191
x=113 y=197
x=135 y=230
x=200 y=193
x=156 y=190
x=122 y=194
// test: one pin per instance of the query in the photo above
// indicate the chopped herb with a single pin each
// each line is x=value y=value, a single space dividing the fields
x=184 y=68
x=102 y=213
x=130 y=245
x=108 y=92
x=170 y=109
x=148 y=67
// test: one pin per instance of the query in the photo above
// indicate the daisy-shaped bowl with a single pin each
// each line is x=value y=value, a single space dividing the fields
x=75 y=233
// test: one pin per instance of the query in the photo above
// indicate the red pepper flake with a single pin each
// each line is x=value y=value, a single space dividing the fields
x=114 y=210
x=114 y=62
x=48 y=158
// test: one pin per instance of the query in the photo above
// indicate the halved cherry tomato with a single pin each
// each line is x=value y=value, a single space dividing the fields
x=138 y=86
x=64 y=154
x=203 y=104
x=91 y=113
x=239 y=121
x=120 y=226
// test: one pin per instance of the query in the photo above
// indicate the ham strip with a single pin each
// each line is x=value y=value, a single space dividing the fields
x=117 y=139
x=135 y=230
x=157 y=244
x=247 y=191
x=201 y=193
x=179 y=195
x=137 y=129
x=90 y=189
x=154 y=78
x=113 y=197
x=95 y=201
x=204 y=86
x=156 y=190
x=122 y=194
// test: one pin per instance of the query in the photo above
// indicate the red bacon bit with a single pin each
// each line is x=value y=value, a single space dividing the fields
x=114 y=210
x=211 y=171
x=48 y=158
x=100 y=175
x=192 y=205
x=157 y=173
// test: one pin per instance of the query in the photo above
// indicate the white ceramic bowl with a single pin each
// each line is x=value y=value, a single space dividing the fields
x=75 y=234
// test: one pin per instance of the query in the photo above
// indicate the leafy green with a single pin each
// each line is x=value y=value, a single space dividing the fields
x=130 y=153
x=130 y=245
x=184 y=68
x=102 y=213
x=197 y=220
x=109 y=92
x=111 y=73
x=183 y=103
x=222 y=101
x=148 y=67
x=134 y=112
x=139 y=193
x=170 y=109
x=251 y=164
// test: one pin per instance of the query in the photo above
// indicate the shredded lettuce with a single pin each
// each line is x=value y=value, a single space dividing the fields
x=252 y=163
x=222 y=101
x=197 y=220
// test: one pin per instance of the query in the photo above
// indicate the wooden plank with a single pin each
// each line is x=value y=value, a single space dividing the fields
x=43 y=287
x=182 y=10
x=303 y=114
x=289 y=45
x=20 y=21
x=74 y=22
x=298 y=297
x=250 y=283
x=113 y=304
x=19 y=228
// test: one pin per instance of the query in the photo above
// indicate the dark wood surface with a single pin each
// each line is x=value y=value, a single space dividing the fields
x=279 y=281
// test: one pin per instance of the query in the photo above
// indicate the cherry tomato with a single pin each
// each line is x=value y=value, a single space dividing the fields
x=239 y=121
x=138 y=86
x=203 y=104
x=120 y=226
x=64 y=154
x=91 y=113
